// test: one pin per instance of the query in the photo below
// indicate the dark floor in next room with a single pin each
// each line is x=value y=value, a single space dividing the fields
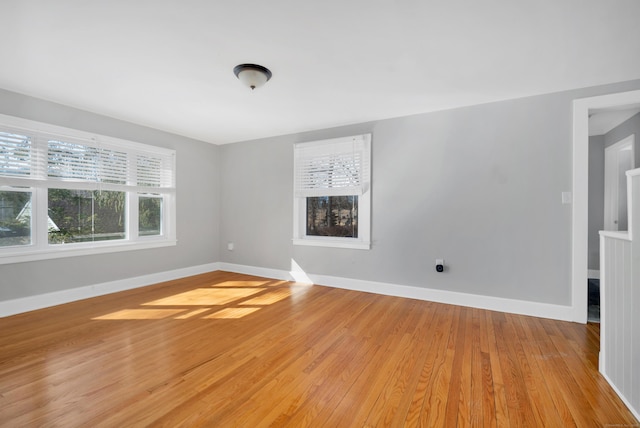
x=594 y=300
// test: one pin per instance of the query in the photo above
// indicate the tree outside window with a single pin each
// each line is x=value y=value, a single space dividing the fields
x=333 y=216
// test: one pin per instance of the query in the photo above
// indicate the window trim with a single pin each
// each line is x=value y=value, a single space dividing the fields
x=38 y=183
x=363 y=241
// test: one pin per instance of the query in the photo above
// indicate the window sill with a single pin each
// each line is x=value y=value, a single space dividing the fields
x=73 y=250
x=329 y=242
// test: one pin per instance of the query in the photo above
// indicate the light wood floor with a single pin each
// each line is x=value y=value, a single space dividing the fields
x=226 y=350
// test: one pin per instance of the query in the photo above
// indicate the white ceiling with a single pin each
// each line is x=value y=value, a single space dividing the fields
x=168 y=64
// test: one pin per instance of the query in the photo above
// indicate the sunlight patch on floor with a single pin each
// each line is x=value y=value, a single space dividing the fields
x=140 y=314
x=230 y=313
x=240 y=284
x=224 y=300
x=269 y=298
x=191 y=314
x=205 y=297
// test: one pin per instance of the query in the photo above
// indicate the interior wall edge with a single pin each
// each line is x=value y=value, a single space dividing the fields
x=622 y=397
x=520 y=307
x=499 y=304
x=41 y=301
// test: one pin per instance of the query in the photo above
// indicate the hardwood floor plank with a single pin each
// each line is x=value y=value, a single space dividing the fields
x=423 y=334
x=437 y=335
x=549 y=407
x=239 y=369
x=562 y=382
x=546 y=410
x=223 y=349
x=406 y=356
x=578 y=371
x=519 y=410
x=331 y=344
x=434 y=412
x=460 y=383
x=373 y=329
x=485 y=381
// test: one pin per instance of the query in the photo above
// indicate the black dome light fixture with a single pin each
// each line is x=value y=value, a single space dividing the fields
x=252 y=75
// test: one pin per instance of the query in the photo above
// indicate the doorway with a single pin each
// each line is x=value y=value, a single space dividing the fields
x=579 y=245
x=618 y=159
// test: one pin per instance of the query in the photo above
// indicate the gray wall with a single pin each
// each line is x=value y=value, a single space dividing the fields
x=478 y=186
x=197 y=210
x=626 y=128
x=596 y=199
x=597 y=145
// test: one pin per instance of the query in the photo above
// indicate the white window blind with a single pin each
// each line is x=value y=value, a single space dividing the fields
x=153 y=170
x=84 y=162
x=15 y=154
x=336 y=167
x=101 y=163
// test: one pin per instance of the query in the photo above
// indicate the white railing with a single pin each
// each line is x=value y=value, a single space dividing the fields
x=620 y=303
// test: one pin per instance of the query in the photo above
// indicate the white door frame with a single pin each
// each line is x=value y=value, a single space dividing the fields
x=612 y=179
x=579 y=225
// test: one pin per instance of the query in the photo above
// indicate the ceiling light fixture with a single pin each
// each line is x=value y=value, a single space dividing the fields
x=252 y=75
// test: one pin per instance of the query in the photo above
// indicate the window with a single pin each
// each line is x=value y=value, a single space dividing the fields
x=15 y=228
x=65 y=192
x=332 y=192
x=150 y=215
x=85 y=215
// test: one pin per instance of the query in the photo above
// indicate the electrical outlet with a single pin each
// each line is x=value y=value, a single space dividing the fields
x=230 y=246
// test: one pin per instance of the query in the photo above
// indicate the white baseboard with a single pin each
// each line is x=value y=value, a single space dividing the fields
x=542 y=310
x=40 y=301
x=257 y=271
x=521 y=307
x=625 y=400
